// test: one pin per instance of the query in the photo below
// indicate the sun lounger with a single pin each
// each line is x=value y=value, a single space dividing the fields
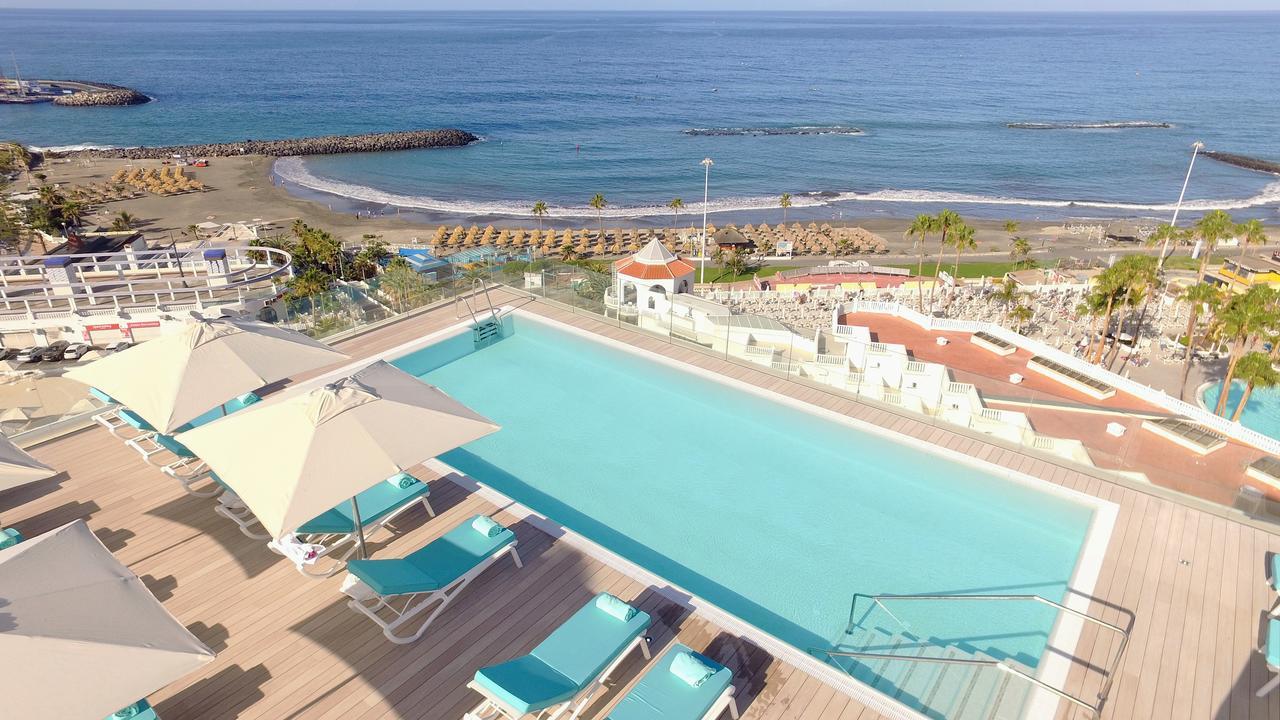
x=566 y=669
x=330 y=532
x=1271 y=654
x=123 y=423
x=231 y=507
x=149 y=444
x=140 y=710
x=664 y=694
x=1275 y=582
x=402 y=589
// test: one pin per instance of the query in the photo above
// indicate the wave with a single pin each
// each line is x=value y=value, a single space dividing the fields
x=795 y=130
x=1117 y=125
x=294 y=170
x=73 y=148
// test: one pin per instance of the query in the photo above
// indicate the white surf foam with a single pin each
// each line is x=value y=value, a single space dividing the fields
x=294 y=170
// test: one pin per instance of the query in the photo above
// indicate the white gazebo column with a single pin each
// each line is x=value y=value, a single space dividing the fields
x=217 y=268
x=60 y=273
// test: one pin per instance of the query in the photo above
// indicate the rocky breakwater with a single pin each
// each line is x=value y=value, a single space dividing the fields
x=1244 y=161
x=327 y=145
x=112 y=97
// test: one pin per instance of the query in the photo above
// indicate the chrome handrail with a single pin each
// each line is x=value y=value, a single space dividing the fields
x=879 y=600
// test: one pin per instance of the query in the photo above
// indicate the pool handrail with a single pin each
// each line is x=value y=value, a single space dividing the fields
x=879 y=600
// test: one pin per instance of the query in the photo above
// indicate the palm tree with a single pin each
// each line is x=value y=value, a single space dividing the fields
x=1214 y=227
x=539 y=211
x=962 y=239
x=1250 y=232
x=1021 y=315
x=676 y=206
x=73 y=212
x=919 y=229
x=1199 y=296
x=784 y=202
x=1166 y=233
x=1020 y=252
x=1093 y=306
x=598 y=202
x=1240 y=322
x=1111 y=286
x=944 y=223
x=123 y=221
x=1255 y=370
x=1007 y=294
x=1141 y=275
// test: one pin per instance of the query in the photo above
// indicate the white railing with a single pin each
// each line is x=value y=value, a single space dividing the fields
x=1149 y=394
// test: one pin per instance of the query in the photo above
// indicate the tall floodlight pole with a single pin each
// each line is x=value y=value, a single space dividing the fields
x=706 y=185
x=1196 y=147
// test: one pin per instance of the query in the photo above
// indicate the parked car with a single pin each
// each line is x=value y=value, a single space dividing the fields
x=30 y=355
x=117 y=346
x=75 y=351
x=53 y=353
x=8 y=353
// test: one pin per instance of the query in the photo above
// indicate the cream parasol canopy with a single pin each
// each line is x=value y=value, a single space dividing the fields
x=180 y=376
x=292 y=459
x=82 y=636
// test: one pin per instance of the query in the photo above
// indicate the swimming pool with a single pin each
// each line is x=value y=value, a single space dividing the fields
x=1262 y=413
x=773 y=513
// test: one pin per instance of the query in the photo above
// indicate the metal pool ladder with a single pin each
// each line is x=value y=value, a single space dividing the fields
x=487 y=330
x=1094 y=709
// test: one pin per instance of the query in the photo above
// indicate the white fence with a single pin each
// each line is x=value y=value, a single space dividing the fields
x=1158 y=398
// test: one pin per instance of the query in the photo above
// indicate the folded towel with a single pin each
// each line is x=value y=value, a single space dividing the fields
x=135 y=709
x=248 y=398
x=404 y=481
x=487 y=526
x=615 y=607
x=691 y=669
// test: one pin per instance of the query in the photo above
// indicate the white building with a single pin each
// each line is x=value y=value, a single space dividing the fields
x=648 y=279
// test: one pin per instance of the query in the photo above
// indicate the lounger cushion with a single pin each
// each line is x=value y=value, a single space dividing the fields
x=101 y=396
x=134 y=420
x=661 y=695
x=1275 y=571
x=169 y=443
x=222 y=410
x=1273 y=642
x=526 y=684
x=433 y=567
x=375 y=503
x=582 y=647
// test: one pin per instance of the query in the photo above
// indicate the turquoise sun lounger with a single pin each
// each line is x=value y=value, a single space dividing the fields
x=566 y=669
x=1271 y=655
x=1275 y=582
x=664 y=695
x=140 y=710
x=152 y=443
x=336 y=528
x=393 y=593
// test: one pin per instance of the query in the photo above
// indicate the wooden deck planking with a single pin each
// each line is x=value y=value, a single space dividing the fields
x=289 y=649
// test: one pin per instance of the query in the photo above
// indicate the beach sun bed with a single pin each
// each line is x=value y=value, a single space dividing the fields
x=1275 y=582
x=150 y=442
x=1271 y=654
x=693 y=687
x=140 y=710
x=395 y=593
x=566 y=669
x=330 y=532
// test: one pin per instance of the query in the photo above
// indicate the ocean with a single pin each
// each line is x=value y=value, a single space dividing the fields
x=854 y=114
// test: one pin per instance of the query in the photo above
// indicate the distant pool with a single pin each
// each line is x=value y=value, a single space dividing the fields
x=1262 y=413
x=774 y=514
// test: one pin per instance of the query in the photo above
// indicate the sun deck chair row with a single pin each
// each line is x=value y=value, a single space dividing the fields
x=1271 y=645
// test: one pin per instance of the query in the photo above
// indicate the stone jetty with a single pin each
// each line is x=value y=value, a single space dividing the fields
x=1244 y=161
x=327 y=145
x=113 y=97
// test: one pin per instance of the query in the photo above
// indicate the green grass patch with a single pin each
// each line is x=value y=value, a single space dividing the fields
x=969 y=269
x=718 y=274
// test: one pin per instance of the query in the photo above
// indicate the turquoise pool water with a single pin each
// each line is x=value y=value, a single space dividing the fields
x=774 y=514
x=1262 y=413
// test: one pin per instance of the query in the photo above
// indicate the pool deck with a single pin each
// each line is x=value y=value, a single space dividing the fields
x=288 y=648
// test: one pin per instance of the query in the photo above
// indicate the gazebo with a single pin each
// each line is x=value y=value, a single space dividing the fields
x=650 y=277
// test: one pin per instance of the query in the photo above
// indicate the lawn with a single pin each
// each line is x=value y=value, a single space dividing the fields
x=969 y=269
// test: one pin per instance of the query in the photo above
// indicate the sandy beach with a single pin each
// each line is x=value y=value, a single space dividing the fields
x=244 y=189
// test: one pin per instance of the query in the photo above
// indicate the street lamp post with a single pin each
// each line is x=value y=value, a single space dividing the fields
x=1196 y=147
x=706 y=185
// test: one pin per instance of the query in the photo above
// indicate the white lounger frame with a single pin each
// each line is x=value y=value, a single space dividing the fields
x=413 y=604
x=231 y=507
x=493 y=709
x=110 y=419
x=333 y=541
x=1274 y=682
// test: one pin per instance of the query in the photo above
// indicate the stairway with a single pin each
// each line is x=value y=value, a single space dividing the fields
x=486 y=333
x=935 y=689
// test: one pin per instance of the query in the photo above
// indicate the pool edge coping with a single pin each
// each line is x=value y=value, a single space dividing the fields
x=1052 y=669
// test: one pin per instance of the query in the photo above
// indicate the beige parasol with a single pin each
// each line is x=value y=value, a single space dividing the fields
x=177 y=377
x=81 y=634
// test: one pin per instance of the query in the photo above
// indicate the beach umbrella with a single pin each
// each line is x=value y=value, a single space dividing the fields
x=178 y=377
x=298 y=457
x=19 y=468
x=81 y=634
